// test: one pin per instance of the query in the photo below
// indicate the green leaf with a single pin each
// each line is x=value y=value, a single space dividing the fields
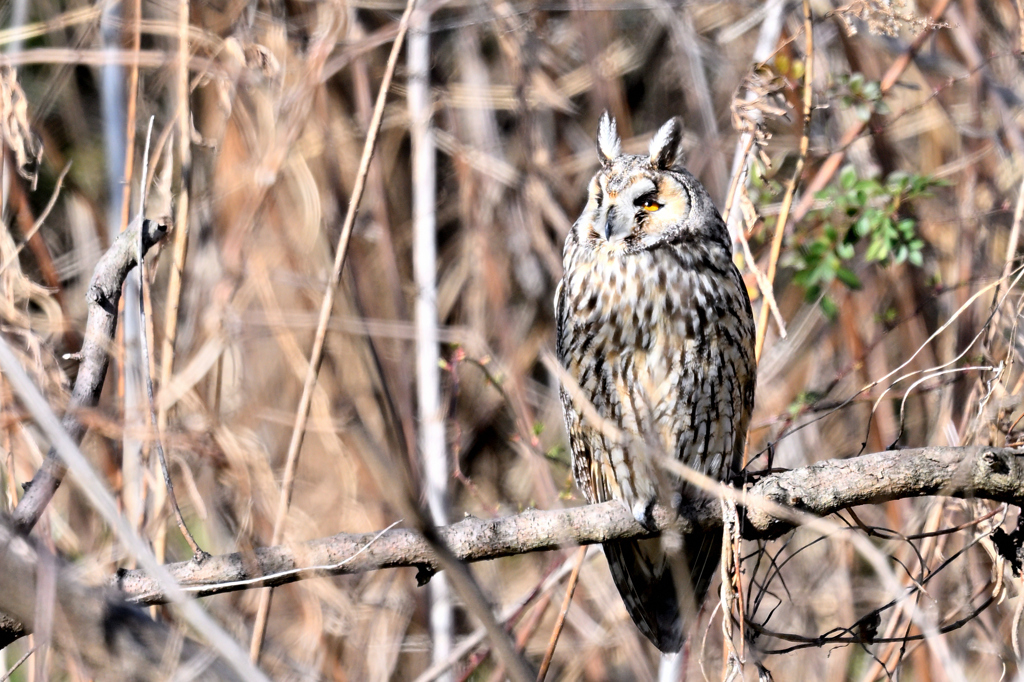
x=898 y=179
x=847 y=277
x=863 y=226
x=848 y=177
x=876 y=251
x=829 y=307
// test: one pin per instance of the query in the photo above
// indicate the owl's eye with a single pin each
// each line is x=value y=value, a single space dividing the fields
x=648 y=201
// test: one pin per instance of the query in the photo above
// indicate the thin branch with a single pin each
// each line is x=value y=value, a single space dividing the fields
x=183 y=119
x=104 y=295
x=197 y=553
x=787 y=200
x=17 y=663
x=853 y=638
x=557 y=630
x=316 y=355
x=430 y=415
x=42 y=217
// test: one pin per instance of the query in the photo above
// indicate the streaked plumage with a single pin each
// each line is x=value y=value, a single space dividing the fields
x=655 y=327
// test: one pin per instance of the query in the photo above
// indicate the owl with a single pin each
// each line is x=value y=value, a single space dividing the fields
x=654 y=327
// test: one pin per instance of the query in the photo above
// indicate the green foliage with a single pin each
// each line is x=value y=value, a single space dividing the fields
x=857 y=211
x=856 y=92
x=803 y=400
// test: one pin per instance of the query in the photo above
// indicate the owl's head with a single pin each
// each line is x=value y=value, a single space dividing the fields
x=638 y=202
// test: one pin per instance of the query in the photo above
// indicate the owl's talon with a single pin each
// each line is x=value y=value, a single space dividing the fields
x=643 y=512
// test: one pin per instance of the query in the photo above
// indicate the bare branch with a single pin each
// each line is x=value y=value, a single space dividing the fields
x=826 y=487
x=104 y=294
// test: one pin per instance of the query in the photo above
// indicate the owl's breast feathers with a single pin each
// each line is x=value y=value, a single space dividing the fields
x=660 y=341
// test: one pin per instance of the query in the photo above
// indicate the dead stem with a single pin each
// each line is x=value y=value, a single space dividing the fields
x=316 y=355
x=787 y=200
x=570 y=588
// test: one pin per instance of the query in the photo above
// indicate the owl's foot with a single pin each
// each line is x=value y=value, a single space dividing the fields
x=643 y=512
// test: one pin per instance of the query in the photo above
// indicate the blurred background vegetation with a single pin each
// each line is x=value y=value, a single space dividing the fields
x=876 y=284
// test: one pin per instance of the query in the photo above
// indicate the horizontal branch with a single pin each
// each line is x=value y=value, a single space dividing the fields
x=824 y=488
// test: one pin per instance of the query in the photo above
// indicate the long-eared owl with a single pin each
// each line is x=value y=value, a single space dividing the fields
x=654 y=326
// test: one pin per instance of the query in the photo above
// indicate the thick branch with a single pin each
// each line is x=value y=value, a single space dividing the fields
x=995 y=474
x=104 y=295
x=988 y=473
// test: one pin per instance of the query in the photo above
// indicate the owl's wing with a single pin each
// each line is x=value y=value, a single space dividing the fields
x=747 y=371
x=579 y=446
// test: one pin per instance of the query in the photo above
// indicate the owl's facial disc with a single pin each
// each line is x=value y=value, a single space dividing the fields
x=625 y=210
x=645 y=208
x=671 y=214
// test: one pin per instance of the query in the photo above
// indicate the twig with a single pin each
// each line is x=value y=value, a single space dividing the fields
x=130 y=115
x=1011 y=255
x=17 y=664
x=729 y=599
x=181 y=231
x=737 y=178
x=42 y=217
x=181 y=223
x=316 y=355
x=197 y=553
x=526 y=630
x=509 y=614
x=787 y=200
x=569 y=590
x=1015 y=628
x=763 y=283
x=806 y=642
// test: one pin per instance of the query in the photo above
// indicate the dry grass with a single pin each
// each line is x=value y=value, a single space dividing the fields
x=281 y=95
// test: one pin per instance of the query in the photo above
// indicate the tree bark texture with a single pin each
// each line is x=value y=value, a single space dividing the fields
x=995 y=474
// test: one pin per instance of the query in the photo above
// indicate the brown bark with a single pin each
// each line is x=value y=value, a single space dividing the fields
x=987 y=473
x=104 y=294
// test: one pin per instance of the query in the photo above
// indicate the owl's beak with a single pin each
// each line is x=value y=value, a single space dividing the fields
x=614 y=226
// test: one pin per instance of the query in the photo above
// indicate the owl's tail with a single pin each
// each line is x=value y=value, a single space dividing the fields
x=643 y=573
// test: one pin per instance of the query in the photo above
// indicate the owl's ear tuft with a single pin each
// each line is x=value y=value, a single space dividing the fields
x=666 y=145
x=608 y=143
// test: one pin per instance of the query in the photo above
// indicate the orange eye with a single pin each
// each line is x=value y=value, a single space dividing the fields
x=651 y=206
